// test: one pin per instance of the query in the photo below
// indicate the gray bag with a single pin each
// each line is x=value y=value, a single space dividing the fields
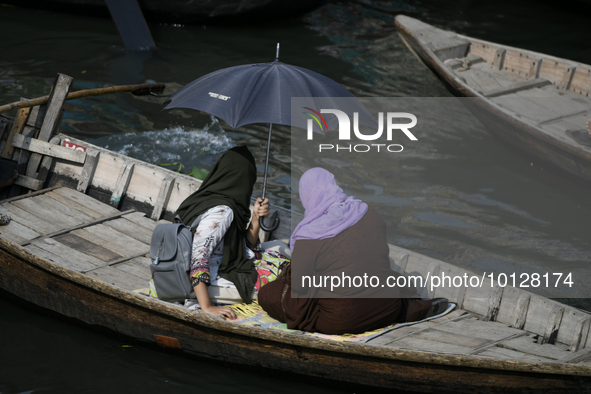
x=170 y=251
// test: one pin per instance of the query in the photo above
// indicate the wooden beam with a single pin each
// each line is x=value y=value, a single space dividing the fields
x=567 y=78
x=520 y=312
x=77 y=227
x=122 y=183
x=138 y=90
x=552 y=327
x=17 y=127
x=90 y=164
x=580 y=335
x=28 y=182
x=48 y=149
x=23 y=158
x=499 y=59
x=47 y=161
x=494 y=304
x=524 y=85
x=163 y=197
x=51 y=120
x=534 y=68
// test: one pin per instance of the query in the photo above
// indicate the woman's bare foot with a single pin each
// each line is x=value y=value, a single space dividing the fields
x=589 y=126
x=9 y=181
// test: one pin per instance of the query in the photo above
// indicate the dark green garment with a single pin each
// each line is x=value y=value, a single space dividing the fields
x=230 y=183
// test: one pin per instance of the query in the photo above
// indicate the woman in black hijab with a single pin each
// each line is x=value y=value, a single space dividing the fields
x=219 y=251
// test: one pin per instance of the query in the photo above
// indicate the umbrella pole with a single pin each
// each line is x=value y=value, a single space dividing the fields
x=261 y=223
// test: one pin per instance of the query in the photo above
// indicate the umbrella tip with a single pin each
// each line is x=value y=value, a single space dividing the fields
x=277 y=54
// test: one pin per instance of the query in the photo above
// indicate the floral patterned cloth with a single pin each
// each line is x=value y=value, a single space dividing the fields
x=208 y=251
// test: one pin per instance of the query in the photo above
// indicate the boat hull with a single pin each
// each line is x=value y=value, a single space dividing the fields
x=95 y=304
x=504 y=125
x=179 y=11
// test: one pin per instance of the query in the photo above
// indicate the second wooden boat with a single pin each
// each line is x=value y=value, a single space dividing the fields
x=535 y=102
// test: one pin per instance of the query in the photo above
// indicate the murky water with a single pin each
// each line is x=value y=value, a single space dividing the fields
x=462 y=196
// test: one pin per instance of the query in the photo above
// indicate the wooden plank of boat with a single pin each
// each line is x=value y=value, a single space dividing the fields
x=530 y=100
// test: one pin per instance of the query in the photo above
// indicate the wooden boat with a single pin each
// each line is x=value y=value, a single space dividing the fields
x=182 y=11
x=535 y=102
x=78 y=247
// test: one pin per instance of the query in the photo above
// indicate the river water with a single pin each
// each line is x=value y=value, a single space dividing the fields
x=466 y=198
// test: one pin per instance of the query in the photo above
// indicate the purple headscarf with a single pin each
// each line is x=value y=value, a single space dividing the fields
x=329 y=211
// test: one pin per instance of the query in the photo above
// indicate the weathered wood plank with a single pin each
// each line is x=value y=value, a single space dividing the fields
x=20 y=230
x=553 y=325
x=118 y=242
x=57 y=258
x=132 y=229
x=581 y=81
x=499 y=59
x=538 y=314
x=122 y=184
x=523 y=85
x=17 y=127
x=581 y=333
x=163 y=197
x=29 y=183
x=494 y=304
x=521 y=310
x=48 y=149
x=574 y=358
x=451 y=338
x=534 y=68
x=32 y=206
x=23 y=159
x=87 y=201
x=118 y=278
x=64 y=209
x=9 y=235
x=141 y=220
x=85 y=246
x=27 y=219
x=55 y=103
x=135 y=268
x=47 y=161
x=90 y=164
x=403 y=332
x=72 y=204
x=66 y=256
x=567 y=78
x=424 y=345
x=65 y=230
x=36 y=116
x=476 y=328
x=528 y=344
x=508 y=354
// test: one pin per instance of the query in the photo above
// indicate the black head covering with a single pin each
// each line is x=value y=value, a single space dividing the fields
x=230 y=183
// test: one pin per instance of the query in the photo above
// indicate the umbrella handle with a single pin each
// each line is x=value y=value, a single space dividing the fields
x=273 y=227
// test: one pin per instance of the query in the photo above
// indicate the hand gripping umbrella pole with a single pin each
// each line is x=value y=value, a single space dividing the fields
x=275 y=224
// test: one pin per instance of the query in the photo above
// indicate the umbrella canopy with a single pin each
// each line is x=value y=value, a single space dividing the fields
x=262 y=93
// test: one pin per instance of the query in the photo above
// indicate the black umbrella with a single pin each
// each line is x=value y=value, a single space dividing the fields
x=262 y=93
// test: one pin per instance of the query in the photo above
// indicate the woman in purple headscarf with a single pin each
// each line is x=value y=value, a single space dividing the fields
x=339 y=237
